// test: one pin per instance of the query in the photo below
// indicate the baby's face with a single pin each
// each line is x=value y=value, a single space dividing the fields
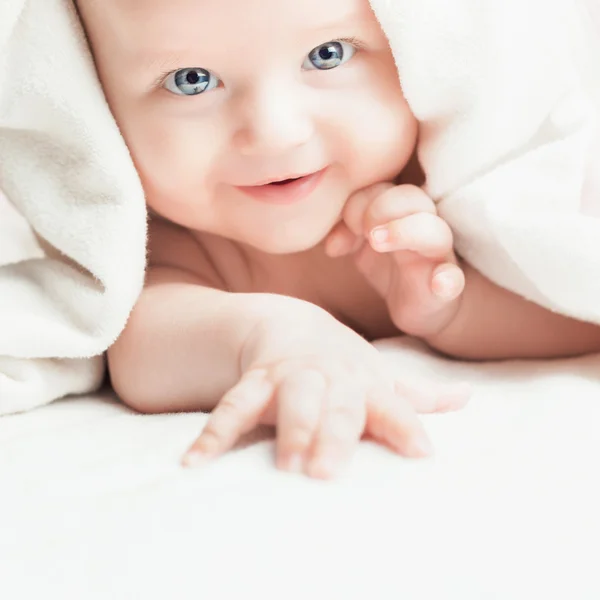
x=218 y=98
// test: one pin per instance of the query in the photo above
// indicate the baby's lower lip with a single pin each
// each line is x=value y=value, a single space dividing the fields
x=285 y=192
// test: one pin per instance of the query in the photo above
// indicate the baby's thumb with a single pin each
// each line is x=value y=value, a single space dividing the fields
x=341 y=241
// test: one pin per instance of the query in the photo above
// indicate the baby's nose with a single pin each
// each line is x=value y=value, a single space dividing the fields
x=273 y=122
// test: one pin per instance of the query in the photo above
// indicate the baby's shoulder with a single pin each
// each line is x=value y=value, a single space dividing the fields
x=175 y=247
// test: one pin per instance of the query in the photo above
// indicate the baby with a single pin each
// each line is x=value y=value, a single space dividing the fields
x=288 y=229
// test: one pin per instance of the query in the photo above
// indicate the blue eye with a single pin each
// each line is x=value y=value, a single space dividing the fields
x=191 y=82
x=329 y=56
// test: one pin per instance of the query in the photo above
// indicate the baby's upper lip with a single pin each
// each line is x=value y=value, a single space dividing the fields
x=276 y=178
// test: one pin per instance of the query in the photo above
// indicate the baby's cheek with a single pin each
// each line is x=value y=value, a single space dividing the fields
x=396 y=144
x=173 y=170
x=385 y=135
x=386 y=145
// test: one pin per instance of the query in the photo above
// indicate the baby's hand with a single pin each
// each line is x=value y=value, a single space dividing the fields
x=323 y=387
x=404 y=249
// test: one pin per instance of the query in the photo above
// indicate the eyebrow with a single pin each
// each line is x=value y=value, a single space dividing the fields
x=160 y=59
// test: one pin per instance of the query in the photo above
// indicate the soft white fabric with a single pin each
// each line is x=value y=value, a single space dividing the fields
x=507 y=92
x=64 y=167
x=504 y=91
x=93 y=505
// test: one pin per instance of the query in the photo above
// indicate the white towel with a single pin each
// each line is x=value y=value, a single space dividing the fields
x=507 y=97
x=65 y=168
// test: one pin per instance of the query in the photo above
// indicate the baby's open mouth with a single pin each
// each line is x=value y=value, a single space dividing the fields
x=285 y=181
x=285 y=191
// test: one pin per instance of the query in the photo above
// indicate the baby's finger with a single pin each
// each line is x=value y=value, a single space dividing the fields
x=396 y=203
x=358 y=205
x=237 y=413
x=428 y=296
x=422 y=233
x=341 y=241
x=434 y=398
x=394 y=422
x=300 y=400
x=447 y=282
x=342 y=425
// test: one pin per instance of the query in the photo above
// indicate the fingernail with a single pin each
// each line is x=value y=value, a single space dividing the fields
x=444 y=285
x=458 y=395
x=421 y=447
x=462 y=388
x=194 y=460
x=323 y=469
x=380 y=235
x=295 y=464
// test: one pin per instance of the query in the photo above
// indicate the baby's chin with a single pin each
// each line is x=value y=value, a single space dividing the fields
x=290 y=240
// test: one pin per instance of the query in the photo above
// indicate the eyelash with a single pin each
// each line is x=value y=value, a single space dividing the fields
x=358 y=44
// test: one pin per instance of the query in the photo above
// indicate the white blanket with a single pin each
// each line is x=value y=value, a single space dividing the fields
x=508 y=96
x=94 y=506
x=506 y=92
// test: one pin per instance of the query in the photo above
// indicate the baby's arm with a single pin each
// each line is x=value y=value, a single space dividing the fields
x=493 y=323
x=181 y=348
x=261 y=358
x=432 y=296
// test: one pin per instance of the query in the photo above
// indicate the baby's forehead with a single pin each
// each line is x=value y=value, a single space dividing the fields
x=232 y=11
x=150 y=30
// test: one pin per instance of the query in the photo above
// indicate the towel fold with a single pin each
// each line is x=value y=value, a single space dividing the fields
x=507 y=95
x=65 y=168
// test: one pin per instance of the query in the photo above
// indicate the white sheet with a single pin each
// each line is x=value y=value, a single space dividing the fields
x=94 y=506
